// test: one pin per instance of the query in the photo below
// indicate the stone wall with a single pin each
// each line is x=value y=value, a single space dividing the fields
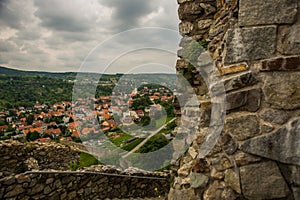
x=255 y=46
x=89 y=184
x=16 y=157
x=41 y=171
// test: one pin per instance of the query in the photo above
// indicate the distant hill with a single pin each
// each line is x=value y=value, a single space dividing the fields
x=15 y=72
x=71 y=75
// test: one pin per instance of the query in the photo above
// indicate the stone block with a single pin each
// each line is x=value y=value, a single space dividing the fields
x=239 y=81
x=204 y=24
x=242 y=158
x=185 y=28
x=233 y=180
x=219 y=190
x=228 y=144
x=242 y=126
x=233 y=69
x=198 y=180
x=275 y=116
x=263 y=181
x=257 y=12
x=248 y=44
x=247 y=100
x=281 y=64
x=190 y=11
x=190 y=194
x=289 y=39
x=282 y=90
x=282 y=145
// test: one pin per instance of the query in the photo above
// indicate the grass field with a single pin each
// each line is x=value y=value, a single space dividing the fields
x=133 y=144
x=85 y=160
x=120 y=140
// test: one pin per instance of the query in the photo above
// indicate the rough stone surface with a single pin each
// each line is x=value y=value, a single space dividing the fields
x=33 y=156
x=190 y=10
x=282 y=145
x=242 y=126
x=175 y=194
x=263 y=181
x=218 y=190
x=239 y=81
x=292 y=176
x=275 y=116
x=86 y=185
x=231 y=69
x=281 y=64
x=255 y=47
x=233 y=180
x=289 y=39
x=228 y=144
x=282 y=90
x=198 y=180
x=256 y=12
x=245 y=100
x=245 y=44
x=242 y=158
x=186 y=28
x=266 y=127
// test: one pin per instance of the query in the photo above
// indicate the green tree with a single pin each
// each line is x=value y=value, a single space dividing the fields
x=30 y=119
x=31 y=136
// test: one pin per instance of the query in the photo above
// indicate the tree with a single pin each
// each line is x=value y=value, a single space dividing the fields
x=30 y=119
x=31 y=136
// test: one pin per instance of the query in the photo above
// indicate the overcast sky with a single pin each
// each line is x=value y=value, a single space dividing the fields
x=56 y=35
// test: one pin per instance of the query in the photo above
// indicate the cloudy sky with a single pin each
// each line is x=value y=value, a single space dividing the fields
x=55 y=35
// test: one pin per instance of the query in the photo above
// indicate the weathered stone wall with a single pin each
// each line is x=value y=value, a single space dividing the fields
x=95 y=184
x=16 y=157
x=41 y=171
x=256 y=49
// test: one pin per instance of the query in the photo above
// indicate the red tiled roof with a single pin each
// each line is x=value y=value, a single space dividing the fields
x=3 y=127
x=53 y=131
x=43 y=140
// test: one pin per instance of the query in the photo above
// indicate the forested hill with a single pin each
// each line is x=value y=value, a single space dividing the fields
x=15 y=72
x=24 y=88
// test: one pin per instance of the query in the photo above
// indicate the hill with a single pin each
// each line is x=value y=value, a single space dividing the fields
x=4 y=71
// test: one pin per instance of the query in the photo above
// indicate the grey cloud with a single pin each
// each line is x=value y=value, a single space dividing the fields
x=128 y=13
x=64 y=16
x=9 y=16
x=6 y=46
x=59 y=34
x=28 y=34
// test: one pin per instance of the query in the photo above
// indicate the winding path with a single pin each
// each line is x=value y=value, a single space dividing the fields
x=146 y=139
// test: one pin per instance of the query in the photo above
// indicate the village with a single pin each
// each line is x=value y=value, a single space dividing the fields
x=85 y=119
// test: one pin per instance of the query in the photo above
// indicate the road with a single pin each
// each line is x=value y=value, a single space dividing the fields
x=146 y=139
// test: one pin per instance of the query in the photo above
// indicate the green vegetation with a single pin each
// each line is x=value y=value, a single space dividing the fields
x=204 y=44
x=160 y=122
x=141 y=103
x=119 y=140
x=22 y=88
x=31 y=136
x=86 y=160
x=154 y=143
x=133 y=144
